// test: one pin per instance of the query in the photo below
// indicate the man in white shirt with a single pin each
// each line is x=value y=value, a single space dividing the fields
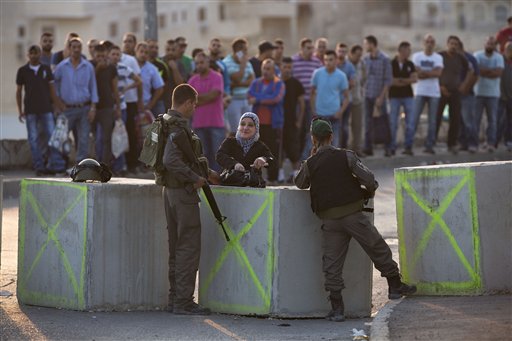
x=429 y=66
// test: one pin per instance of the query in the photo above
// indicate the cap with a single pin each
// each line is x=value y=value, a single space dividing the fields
x=321 y=128
x=265 y=46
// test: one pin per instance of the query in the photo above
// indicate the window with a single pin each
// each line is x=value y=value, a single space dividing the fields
x=174 y=17
x=112 y=29
x=162 y=21
x=135 y=25
x=222 y=12
x=184 y=15
x=201 y=14
x=21 y=31
x=500 y=13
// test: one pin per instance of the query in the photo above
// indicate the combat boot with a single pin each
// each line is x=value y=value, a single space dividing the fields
x=397 y=288
x=338 y=308
x=191 y=308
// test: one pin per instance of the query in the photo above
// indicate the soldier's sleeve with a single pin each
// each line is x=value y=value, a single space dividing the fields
x=173 y=162
x=301 y=180
x=361 y=172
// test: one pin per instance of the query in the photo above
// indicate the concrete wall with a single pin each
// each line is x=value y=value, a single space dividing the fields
x=273 y=265
x=455 y=227
x=92 y=246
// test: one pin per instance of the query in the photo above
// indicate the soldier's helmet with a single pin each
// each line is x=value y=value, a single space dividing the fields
x=90 y=170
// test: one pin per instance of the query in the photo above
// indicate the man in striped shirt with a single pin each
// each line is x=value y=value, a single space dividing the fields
x=304 y=64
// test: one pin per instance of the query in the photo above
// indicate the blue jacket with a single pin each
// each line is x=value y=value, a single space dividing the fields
x=272 y=97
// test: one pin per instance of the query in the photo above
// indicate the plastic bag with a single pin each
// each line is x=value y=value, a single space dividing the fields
x=119 y=139
x=60 y=139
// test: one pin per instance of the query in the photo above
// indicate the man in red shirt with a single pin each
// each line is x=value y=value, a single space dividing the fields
x=504 y=35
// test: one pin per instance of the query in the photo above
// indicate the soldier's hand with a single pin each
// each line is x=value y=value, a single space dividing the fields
x=200 y=183
x=214 y=177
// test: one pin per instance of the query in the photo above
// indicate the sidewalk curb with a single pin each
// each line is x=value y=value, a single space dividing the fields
x=379 y=330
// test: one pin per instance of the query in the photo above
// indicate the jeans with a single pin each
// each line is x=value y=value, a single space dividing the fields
x=369 y=104
x=133 y=153
x=491 y=108
x=468 y=136
x=356 y=113
x=505 y=122
x=419 y=104
x=271 y=137
x=336 y=129
x=77 y=118
x=46 y=122
x=236 y=109
x=454 y=104
x=345 y=118
x=407 y=103
x=211 y=139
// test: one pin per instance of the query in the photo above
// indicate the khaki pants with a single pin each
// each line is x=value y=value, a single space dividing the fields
x=336 y=235
x=184 y=228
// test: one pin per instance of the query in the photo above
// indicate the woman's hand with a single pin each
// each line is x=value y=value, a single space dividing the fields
x=240 y=167
x=260 y=162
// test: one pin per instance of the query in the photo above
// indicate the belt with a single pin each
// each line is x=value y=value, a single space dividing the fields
x=79 y=105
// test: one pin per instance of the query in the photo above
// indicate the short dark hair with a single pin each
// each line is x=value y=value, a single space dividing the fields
x=131 y=35
x=341 y=45
x=238 y=44
x=100 y=48
x=180 y=38
x=452 y=37
x=278 y=41
x=355 y=48
x=182 y=93
x=404 y=44
x=74 y=39
x=509 y=20
x=372 y=40
x=287 y=60
x=305 y=41
x=115 y=47
x=34 y=48
x=170 y=42
x=46 y=34
x=142 y=43
x=107 y=44
x=198 y=51
x=330 y=52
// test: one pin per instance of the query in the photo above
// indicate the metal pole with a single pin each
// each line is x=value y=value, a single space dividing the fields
x=150 y=20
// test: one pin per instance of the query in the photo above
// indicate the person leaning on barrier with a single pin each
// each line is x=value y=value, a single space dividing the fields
x=245 y=150
x=183 y=178
x=335 y=177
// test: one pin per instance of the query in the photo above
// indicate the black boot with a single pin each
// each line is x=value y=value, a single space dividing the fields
x=338 y=308
x=398 y=289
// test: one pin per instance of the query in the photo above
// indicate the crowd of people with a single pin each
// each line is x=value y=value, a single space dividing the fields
x=349 y=86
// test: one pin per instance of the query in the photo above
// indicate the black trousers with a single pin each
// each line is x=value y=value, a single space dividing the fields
x=336 y=236
x=272 y=138
x=454 y=102
x=132 y=155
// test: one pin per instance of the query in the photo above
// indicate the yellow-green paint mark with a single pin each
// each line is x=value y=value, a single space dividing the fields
x=27 y=198
x=409 y=263
x=241 y=256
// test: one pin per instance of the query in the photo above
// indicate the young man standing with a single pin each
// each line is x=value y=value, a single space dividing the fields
x=356 y=108
x=278 y=53
x=377 y=84
x=335 y=177
x=504 y=35
x=208 y=121
x=152 y=83
x=455 y=64
x=266 y=50
x=164 y=102
x=266 y=96
x=37 y=81
x=487 y=89
x=183 y=59
x=349 y=70
x=429 y=66
x=46 y=43
x=75 y=81
x=320 y=48
x=294 y=107
x=401 y=95
x=505 y=106
x=181 y=199
x=329 y=93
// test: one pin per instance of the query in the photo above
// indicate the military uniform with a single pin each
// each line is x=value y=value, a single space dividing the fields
x=182 y=212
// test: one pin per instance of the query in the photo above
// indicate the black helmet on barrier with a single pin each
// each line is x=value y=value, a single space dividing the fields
x=90 y=170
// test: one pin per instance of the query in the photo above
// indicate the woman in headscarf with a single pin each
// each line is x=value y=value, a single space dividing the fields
x=244 y=150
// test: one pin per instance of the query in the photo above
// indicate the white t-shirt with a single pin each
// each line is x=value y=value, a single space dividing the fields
x=131 y=95
x=430 y=86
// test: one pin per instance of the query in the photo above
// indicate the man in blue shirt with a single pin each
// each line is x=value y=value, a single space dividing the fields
x=350 y=71
x=487 y=89
x=76 y=87
x=152 y=83
x=329 y=93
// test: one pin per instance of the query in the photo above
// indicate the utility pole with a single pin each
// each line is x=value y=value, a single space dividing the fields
x=150 y=20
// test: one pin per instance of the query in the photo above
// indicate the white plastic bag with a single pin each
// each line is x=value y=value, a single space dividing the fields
x=119 y=139
x=60 y=139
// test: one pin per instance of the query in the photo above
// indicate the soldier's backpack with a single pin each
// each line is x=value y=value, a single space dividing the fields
x=154 y=146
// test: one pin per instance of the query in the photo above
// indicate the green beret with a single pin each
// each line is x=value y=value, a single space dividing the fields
x=321 y=128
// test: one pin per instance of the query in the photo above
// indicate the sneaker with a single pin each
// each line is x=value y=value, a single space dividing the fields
x=472 y=149
x=397 y=288
x=453 y=150
x=191 y=309
x=407 y=151
x=490 y=149
x=338 y=308
x=429 y=150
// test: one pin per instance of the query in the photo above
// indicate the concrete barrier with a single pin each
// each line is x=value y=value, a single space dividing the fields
x=455 y=227
x=273 y=263
x=15 y=154
x=86 y=246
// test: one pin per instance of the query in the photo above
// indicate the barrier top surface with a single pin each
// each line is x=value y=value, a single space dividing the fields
x=455 y=165
x=113 y=181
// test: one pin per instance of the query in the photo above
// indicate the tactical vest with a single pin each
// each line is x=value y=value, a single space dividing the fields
x=332 y=181
x=177 y=125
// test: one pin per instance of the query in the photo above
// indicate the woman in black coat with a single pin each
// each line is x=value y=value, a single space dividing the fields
x=244 y=150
